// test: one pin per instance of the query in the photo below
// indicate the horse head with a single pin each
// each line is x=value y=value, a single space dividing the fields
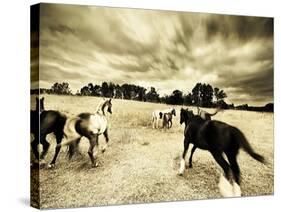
x=160 y=115
x=182 y=116
x=173 y=112
x=185 y=115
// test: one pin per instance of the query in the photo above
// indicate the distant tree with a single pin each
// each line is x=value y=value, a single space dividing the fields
x=96 y=90
x=105 y=89
x=207 y=95
x=152 y=95
x=61 y=88
x=187 y=99
x=202 y=95
x=231 y=106
x=85 y=91
x=111 y=88
x=196 y=94
x=141 y=91
x=269 y=107
x=125 y=88
x=176 y=98
x=219 y=94
x=118 y=92
x=242 y=107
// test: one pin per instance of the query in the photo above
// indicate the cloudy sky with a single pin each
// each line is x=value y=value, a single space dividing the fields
x=167 y=50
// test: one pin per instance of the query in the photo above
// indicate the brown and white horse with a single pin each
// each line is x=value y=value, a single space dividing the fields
x=89 y=125
x=157 y=115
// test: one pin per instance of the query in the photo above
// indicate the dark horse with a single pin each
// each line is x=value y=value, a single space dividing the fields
x=89 y=125
x=50 y=122
x=34 y=116
x=218 y=138
x=206 y=116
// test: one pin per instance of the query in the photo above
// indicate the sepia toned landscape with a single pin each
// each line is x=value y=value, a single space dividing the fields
x=110 y=87
x=141 y=163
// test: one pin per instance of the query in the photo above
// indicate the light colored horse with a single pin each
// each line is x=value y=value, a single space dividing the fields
x=89 y=125
x=205 y=115
x=157 y=115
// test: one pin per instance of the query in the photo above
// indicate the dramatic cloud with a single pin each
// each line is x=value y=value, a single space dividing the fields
x=166 y=50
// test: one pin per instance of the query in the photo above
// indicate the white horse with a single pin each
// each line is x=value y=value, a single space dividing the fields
x=157 y=115
x=89 y=125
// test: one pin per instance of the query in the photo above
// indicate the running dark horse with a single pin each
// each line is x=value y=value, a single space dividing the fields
x=34 y=116
x=206 y=116
x=218 y=138
x=89 y=125
x=50 y=122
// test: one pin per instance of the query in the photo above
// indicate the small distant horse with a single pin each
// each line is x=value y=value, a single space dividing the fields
x=205 y=115
x=158 y=114
x=167 y=120
x=218 y=138
x=90 y=125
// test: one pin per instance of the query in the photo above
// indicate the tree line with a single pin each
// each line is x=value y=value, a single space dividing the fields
x=202 y=95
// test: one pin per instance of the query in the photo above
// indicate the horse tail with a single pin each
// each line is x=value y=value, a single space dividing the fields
x=212 y=114
x=240 y=137
x=73 y=130
x=73 y=148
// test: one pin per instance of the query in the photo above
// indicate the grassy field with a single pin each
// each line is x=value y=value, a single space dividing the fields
x=141 y=163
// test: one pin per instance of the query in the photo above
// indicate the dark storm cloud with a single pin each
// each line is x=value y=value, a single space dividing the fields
x=167 y=50
x=241 y=27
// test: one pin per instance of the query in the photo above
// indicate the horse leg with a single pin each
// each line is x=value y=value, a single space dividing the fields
x=46 y=146
x=156 y=123
x=106 y=140
x=59 y=137
x=171 y=124
x=73 y=147
x=34 y=146
x=191 y=155
x=182 y=163
x=93 y=142
x=231 y=156
x=224 y=185
x=164 y=124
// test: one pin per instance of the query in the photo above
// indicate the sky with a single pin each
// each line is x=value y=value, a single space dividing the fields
x=164 y=49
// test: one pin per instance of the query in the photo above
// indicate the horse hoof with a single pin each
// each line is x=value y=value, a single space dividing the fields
x=236 y=190
x=190 y=166
x=225 y=187
x=95 y=165
x=34 y=165
x=180 y=174
x=50 y=166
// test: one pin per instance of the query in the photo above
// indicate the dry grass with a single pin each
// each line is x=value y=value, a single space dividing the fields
x=141 y=164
